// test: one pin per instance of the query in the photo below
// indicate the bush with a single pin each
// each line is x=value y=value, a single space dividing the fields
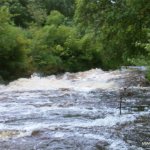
x=12 y=47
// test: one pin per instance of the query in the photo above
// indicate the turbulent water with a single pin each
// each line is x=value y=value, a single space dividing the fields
x=78 y=111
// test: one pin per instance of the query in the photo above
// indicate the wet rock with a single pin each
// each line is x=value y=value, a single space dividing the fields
x=35 y=133
x=102 y=145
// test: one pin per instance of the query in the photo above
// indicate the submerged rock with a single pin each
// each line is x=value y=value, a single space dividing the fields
x=102 y=145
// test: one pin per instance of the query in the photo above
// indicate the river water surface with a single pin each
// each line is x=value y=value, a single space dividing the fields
x=78 y=111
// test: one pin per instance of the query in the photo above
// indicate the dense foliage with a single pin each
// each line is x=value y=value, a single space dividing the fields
x=52 y=36
x=13 y=47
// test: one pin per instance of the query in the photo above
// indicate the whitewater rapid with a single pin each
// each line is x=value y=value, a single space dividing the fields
x=82 y=81
x=73 y=111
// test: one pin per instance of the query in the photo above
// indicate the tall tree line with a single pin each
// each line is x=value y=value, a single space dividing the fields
x=52 y=36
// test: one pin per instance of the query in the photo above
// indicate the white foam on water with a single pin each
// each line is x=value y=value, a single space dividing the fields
x=93 y=136
x=27 y=128
x=59 y=135
x=118 y=145
x=82 y=81
x=108 y=121
x=78 y=134
x=113 y=144
x=2 y=87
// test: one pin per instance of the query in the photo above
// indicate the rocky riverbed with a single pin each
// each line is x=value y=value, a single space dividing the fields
x=77 y=111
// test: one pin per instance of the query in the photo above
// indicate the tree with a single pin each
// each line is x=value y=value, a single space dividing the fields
x=118 y=25
x=65 y=7
x=12 y=47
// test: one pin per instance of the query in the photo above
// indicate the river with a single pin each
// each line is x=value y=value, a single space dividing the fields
x=76 y=111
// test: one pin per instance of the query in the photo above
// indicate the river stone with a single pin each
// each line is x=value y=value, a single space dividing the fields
x=101 y=145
